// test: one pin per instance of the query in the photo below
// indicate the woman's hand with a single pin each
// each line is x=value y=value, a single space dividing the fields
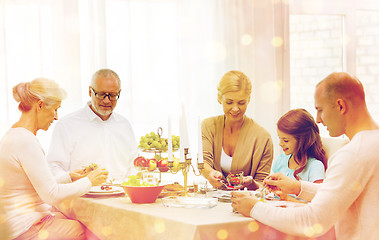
x=243 y=202
x=215 y=178
x=282 y=185
x=98 y=176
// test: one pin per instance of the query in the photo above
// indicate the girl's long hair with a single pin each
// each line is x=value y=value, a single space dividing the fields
x=300 y=124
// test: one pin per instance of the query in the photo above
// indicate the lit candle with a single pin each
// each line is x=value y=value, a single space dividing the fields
x=200 y=147
x=169 y=151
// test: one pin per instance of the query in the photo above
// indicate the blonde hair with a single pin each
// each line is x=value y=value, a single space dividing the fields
x=28 y=93
x=233 y=81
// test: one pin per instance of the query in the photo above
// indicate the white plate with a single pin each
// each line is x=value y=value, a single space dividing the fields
x=103 y=194
x=98 y=190
x=284 y=204
x=189 y=202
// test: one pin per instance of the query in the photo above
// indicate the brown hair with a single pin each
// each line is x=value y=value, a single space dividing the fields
x=300 y=124
x=233 y=81
x=28 y=93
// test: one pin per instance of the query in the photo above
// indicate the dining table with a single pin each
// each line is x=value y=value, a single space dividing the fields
x=116 y=217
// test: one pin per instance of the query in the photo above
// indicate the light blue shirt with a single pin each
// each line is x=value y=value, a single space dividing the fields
x=314 y=169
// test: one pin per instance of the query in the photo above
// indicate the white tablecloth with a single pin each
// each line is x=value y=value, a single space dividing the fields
x=118 y=218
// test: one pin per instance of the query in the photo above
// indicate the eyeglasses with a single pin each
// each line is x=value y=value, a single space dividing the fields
x=102 y=96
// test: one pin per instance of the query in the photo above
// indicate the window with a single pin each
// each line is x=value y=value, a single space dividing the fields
x=367 y=34
x=325 y=38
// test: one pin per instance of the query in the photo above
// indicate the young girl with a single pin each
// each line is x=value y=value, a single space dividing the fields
x=304 y=157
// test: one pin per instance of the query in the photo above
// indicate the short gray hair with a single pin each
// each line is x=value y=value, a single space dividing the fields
x=105 y=72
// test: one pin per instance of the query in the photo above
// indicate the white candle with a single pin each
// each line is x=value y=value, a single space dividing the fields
x=184 y=142
x=200 y=147
x=169 y=151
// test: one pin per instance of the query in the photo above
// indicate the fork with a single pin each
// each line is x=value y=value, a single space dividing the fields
x=263 y=192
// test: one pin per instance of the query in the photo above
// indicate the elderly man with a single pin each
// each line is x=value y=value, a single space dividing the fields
x=348 y=196
x=94 y=134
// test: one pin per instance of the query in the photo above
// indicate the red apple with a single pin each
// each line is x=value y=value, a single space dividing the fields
x=162 y=165
x=152 y=164
x=140 y=161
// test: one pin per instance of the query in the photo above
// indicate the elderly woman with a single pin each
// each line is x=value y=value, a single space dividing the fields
x=28 y=188
x=232 y=141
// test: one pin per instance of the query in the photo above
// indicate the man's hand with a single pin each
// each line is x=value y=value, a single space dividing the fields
x=77 y=174
x=98 y=176
x=243 y=202
x=282 y=185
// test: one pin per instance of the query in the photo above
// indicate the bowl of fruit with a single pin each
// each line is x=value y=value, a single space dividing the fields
x=155 y=163
x=140 y=191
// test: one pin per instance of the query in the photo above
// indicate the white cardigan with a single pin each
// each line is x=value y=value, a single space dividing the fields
x=28 y=185
x=348 y=197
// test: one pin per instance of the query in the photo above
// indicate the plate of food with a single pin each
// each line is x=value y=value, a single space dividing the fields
x=105 y=190
x=173 y=189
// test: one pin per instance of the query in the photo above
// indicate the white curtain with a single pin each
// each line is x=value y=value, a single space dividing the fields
x=168 y=53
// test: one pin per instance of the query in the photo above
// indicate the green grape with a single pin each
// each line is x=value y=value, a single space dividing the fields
x=154 y=144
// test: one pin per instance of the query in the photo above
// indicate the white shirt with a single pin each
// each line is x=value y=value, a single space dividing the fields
x=226 y=161
x=28 y=186
x=82 y=138
x=348 y=197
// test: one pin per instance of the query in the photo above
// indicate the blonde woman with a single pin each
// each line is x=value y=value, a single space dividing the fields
x=29 y=190
x=232 y=141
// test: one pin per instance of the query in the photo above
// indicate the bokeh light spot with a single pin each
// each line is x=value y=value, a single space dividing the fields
x=271 y=91
x=288 y=2
x=2 y=218
x=312 y=6
x=277 y=41
x=346 y=40
x=253 y=226
x=1 y=182
x=356 y=186
x=106 y=231
x=217 y=53
x=222 y=234
x=317 y=228
x=246 y=39
x=159 y=226
x=43 y=234
x=309 y=232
